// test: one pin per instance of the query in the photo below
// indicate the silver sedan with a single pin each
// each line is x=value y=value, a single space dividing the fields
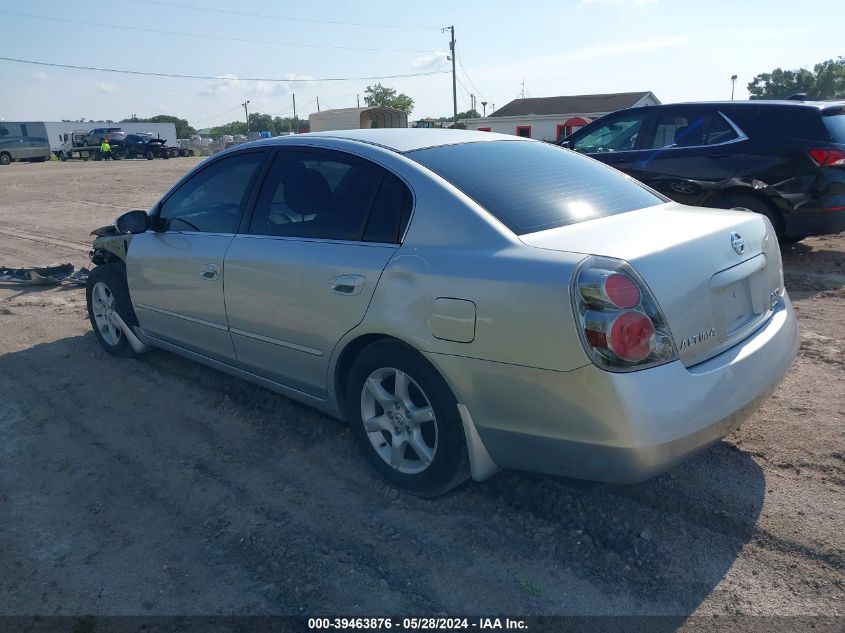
x=467 y=301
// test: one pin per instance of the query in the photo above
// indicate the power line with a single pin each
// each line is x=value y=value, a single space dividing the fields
x=212 y=37
x=177 y=76
x=278 y=17
x=217 y=115
x=471 y=82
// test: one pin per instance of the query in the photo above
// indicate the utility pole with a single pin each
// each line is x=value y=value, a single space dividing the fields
x=454 y=76
x=472 y=101
x=484 y=105
x=246 y=112
x=358 y=100
x=522 y=92
x=295 y=127
x=733 y=84
x=318 y=104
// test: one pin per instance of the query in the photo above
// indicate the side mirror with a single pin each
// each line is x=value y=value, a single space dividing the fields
x=566 y=144
x=132 y=222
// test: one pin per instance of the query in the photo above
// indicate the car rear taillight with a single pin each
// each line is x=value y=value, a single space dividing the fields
x=620 y=323
x=828 y=157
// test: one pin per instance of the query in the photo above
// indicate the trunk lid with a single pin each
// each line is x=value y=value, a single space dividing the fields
x=712 y=295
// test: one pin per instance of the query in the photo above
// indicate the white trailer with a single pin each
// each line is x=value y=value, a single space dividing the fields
x=56 y=130
x=357 y=119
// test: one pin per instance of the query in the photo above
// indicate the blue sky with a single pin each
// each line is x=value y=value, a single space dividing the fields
x=679 y=49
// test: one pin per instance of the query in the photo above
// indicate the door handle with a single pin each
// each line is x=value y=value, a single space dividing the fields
x=210 y=272
x=348 y=284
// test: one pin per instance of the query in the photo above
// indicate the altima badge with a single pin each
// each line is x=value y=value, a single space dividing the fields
x=738 y=243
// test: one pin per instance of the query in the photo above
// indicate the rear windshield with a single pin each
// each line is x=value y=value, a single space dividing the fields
x=835 y=124
x=531 y=187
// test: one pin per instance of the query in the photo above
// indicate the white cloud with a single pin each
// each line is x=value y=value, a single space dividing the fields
x=108 y=87
x=40 y=76
x=221 y=85
x=437 y=60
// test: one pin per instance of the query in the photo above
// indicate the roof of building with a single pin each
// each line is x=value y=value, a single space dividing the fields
x=571 y=104
x=362 y=109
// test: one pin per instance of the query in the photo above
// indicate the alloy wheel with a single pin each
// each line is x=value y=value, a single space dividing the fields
x=399 y=420
x=103 y=306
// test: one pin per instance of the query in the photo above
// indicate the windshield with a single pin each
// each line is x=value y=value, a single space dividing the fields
x=835 y=123
x=532 y=186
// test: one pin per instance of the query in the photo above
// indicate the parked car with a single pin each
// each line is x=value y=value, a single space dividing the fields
x=145 y=145
x=115 y=135
x=784 y=159
x=467 y=301
x=23 y=141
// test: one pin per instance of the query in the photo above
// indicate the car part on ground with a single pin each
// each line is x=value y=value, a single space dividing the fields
x=44 y=276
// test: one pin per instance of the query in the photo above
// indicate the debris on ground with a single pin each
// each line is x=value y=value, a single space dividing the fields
x=45 y=276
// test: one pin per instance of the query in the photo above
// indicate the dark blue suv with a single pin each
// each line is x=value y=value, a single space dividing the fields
x=784 y=159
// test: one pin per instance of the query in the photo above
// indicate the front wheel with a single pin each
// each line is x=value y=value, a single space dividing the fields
x=108 y=297
x=5 y=159
x=405 y=419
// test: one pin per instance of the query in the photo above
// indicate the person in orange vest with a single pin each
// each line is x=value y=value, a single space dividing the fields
x=105 y=149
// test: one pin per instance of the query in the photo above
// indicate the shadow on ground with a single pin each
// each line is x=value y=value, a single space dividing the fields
x=157 y=486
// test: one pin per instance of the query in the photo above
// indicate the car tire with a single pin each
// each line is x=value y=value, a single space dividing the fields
x=106 y=293
x=5 y=158
x=414 y=439
x=184 y=153
x=755 y=204
x=149 y=155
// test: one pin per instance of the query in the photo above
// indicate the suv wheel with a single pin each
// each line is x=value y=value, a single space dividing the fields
x=755 y=204
x=107 y=296
x=405 y=419
x=5 y=159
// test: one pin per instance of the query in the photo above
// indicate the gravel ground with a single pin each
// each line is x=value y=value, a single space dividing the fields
x=157 y=486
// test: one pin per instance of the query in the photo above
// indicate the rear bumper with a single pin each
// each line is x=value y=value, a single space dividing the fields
x=802 y=224
x=592 y=424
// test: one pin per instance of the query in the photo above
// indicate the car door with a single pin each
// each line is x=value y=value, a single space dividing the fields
x=613 y=139
x=302 y=273
x=688 y=152
x=176 y=272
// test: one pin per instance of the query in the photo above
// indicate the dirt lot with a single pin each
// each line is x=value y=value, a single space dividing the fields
x=156 y=486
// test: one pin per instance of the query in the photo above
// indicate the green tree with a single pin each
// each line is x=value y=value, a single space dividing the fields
x=469 y=114
x=379 y=95
x=825 y=81
x=183 y=128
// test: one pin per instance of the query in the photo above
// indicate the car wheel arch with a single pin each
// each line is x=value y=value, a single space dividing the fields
x=350 y=351
x=734 y=192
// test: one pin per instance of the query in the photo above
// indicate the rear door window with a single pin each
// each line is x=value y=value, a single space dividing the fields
x=326 y=195
x=686 y=127
x=533 y=186
x=834 y=121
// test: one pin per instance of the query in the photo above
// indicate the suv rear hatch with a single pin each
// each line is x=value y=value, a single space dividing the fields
x=716 y=274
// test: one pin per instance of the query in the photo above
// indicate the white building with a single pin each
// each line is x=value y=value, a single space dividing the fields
x=57 y=129
x=357 y=119
x=553 y=118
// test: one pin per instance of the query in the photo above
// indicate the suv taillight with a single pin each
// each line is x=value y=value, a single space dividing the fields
x=828 y=157
x=621 y=326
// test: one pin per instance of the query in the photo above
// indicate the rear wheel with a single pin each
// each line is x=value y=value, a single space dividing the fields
x=755 y=204
x=5 y=158
x=405 y=419
x=108 y=296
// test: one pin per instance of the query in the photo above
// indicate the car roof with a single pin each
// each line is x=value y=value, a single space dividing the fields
x=817 y=105
x=397 y=139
